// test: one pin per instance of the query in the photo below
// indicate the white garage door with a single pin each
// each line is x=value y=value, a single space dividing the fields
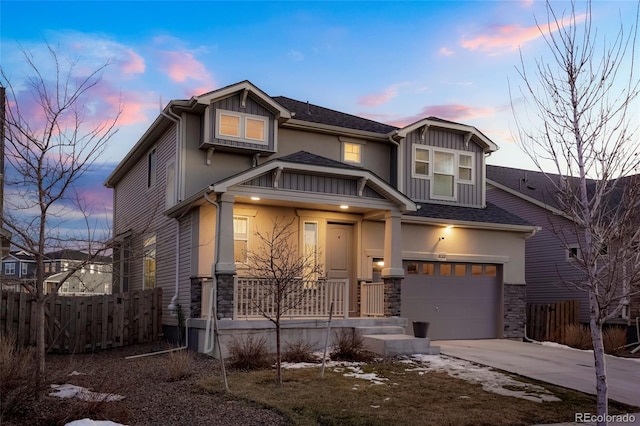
x=459 y=300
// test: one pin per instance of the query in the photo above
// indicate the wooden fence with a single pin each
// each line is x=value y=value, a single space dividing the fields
x=76 y=324
x=549 y=321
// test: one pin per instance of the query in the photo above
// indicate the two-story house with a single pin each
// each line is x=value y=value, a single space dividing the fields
x=550 y=257
x=400 y=213
x=17 y=267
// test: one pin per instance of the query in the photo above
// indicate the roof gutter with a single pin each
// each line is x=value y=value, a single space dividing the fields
x=528 y=229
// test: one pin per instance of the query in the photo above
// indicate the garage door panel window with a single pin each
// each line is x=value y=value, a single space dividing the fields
x=412 y=268
x=428 y=269
x=445 y=269
x=490 y=271
x=460 y=270
x=476 y=270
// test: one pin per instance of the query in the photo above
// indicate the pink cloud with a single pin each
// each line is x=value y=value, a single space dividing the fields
x=182 y=66
x=134 y=64
x=507 y=38
x=445 y=51
x=452 y=112
x=376 y=99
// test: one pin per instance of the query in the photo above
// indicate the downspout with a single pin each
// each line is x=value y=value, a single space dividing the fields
x=174 y=300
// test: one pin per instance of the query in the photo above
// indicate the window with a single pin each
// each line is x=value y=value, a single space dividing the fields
x=152 y=159
x=240 y=239
x=421 y=163
x=24 y=269
x=149 y=265
x=573 y=252
x=442 y=185
x=428 y=269
x=465 y=168
x=412 y=268
x=352 y=153
x=476 y=270
x=310 y=250
x=445 y=269
x=460 y=270
x=241 y=126
x=170 y=188
x=64 y=288
x=65 y=266
x=10 y=268
x=490 y=271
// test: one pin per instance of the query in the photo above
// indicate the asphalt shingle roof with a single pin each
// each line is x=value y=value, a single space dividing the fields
x=317 y=114
x=304 y=157
x=490 y=214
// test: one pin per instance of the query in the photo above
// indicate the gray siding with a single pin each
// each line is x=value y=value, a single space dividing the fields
x=547 y=269
x=313 y=183
x=232 y=103
x=418 y=189
x=139 y=209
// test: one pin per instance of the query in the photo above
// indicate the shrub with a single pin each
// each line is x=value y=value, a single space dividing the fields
x=179 y=365
x=577 y=336
x=614 y=338
x=17 y=370
x=348 y=345
x=298 y=351
x=249 y=353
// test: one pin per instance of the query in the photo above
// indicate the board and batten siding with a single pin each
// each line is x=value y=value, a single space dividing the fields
x=547 y=267
x=419 y=189
x=232 y=103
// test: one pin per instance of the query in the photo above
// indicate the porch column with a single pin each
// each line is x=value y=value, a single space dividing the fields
x=225 y=267
x=393 y=272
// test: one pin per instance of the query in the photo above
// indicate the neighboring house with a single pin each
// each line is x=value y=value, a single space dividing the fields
x=64 y=260
x=18 y=267
x=81 y=283
x=549 y=256
x=405 y=207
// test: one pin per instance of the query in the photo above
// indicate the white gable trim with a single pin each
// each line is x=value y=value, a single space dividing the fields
x=485 y=142
x=245 y=87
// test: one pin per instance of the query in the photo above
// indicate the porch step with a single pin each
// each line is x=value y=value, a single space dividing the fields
x=380 y=329
x=399 y=344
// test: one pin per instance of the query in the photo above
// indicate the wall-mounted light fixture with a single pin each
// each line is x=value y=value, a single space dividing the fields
x=255 y=198
x=344 y=206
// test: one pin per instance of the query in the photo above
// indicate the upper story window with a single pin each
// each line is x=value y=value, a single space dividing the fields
x=445 y=168
x=152 y=163
x=352 y=152
x=149 y=262
x=24 y=269
x=241 y=126
x=10 y=268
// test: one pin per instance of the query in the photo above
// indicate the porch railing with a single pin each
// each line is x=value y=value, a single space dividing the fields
x=255 y=298
x=372 y=299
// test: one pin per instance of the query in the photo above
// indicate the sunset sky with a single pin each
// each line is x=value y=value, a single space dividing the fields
x=394 y=62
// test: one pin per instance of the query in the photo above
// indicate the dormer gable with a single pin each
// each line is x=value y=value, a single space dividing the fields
x=443 y=162
x=240 y=117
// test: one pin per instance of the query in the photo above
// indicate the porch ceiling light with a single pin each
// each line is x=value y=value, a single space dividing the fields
x=344 y=206
x=255 y=198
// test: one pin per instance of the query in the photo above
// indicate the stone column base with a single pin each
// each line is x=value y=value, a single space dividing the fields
x=392 y=296
x=515 y=310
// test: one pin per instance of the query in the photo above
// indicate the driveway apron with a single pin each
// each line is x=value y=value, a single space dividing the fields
x=569 y=368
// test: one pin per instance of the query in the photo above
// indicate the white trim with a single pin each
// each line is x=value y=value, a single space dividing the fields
x=486 y=143
x=225 y=92
x=454 y=175
x=360 y=152
x=242 y=127
x=428 y=162
x=471 y=168
x=470 y=224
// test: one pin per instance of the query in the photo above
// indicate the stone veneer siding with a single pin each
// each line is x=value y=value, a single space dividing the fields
x=196 y=296
x=392 y=296
x=515 y=310
x=224 y=297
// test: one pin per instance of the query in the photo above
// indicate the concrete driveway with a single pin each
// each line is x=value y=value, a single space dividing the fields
x=559 y=366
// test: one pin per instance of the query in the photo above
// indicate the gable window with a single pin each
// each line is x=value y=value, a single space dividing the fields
x=149 y=262
x=24 y=269
x=152 y=159
x=443 y=183
x=465 y=168
x=242 y=127
x=352 y=152
x=240 y=239
x=10 y=268
x=421 y=163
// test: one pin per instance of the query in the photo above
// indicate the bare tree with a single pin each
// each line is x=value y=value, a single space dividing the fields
x=285 y=275
x=50 y=146
x=581 y=95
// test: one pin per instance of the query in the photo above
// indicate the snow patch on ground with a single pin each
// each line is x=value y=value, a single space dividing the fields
x=489 y=379
x=89 y=422
x=73 y=391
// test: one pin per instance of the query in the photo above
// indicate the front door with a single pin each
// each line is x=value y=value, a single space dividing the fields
x=340 y=259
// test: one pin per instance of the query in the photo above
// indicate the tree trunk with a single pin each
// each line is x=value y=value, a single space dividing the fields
x=40 y=344
x=278 y=358
x=600 y=363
